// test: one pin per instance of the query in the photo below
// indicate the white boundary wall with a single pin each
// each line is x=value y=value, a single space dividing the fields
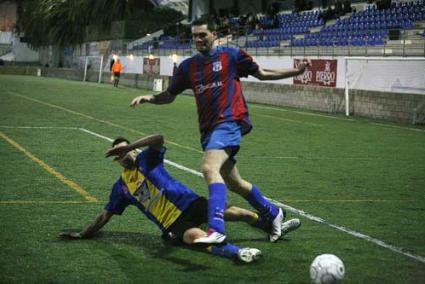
x=134 y=64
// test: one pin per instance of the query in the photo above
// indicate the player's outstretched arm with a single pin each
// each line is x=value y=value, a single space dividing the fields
x=101 y=219
x=154 y=141
x=277 y=74
x=162 y=98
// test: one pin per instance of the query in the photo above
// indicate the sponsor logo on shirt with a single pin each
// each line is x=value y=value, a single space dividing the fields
x=200 y=88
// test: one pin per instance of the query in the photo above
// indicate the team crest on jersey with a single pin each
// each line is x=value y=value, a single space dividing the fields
x=217 y=66
x=142 y=192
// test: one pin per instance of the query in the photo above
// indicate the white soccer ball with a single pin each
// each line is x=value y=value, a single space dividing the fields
x=326 y=269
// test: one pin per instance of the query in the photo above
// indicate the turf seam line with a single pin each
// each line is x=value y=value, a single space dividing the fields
x=398 y=127
x=312 y=217
x=339 y=118
x=302 y=113
x=49 y=169
x=290 y=120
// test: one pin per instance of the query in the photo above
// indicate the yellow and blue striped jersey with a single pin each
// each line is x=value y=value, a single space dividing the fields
x=152 y=189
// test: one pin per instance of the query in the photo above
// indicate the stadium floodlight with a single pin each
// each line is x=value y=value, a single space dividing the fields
x=385 y=74
x=93 y=63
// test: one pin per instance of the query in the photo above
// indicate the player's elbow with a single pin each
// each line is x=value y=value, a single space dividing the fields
x=261 y=75
x=160 y=139
x=156 y=141
x=170 y=97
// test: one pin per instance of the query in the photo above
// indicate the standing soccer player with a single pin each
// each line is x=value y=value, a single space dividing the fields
x=116 y=69
x=213 y=74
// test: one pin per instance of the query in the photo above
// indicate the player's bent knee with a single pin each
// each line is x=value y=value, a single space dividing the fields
x=192 y=234
x=211 y=174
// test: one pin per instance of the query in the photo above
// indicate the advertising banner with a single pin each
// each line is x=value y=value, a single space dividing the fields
x=321 y=73
x=151 y=66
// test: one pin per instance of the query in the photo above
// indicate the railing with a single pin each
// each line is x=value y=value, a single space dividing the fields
x=404 y=47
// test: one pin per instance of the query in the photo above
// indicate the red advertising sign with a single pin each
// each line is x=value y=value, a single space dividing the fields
x=321 y=73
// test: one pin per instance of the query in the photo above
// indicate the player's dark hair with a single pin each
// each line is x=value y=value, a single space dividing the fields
x=206 y=20
x=119 y=140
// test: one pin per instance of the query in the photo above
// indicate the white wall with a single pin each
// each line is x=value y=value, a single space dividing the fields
x=409 y=76
x=6 y=37
x=23 y=53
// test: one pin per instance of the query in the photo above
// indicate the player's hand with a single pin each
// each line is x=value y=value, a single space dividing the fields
x=118 y=152
x=70 y=235
x=303 y=64
x=140 y=100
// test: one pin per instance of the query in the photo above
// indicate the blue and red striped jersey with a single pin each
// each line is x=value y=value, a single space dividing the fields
x=214 y=79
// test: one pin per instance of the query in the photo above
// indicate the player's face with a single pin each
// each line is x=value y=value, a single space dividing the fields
x=203 y=38
x=128 y=161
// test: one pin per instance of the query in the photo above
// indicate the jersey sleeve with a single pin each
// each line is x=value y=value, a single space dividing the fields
x=245 y=64
x=150 y=158
x=179 y=81
x=117 y=200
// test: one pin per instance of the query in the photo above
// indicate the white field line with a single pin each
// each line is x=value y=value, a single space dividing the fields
x=37 y=127
x=187 y=169
x=31 y=202
x=301 y=213
x=183 y=168
x=322 y=158
x=349 y=231
x=277 y=203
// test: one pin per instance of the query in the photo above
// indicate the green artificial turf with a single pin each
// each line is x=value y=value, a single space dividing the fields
x=363 y=175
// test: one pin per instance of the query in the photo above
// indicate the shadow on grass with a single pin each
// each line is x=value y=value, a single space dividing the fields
x=155 y=247
x=152 y=244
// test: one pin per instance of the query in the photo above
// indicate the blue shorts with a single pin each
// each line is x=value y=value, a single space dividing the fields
x=224 y=135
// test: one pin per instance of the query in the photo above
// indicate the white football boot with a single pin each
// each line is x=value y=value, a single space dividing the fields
x=290 y=225
x=276 y=231
x=213 y=238
x=248 y=255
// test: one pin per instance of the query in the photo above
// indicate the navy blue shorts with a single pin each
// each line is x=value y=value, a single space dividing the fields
x=195 y=215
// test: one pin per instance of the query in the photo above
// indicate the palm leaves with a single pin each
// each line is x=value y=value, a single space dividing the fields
x=63 y=22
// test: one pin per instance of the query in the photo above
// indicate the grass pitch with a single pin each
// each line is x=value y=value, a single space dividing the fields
x=356 y=174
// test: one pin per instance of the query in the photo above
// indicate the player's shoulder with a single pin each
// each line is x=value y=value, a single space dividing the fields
x=234 y=52
x=228 y=49
x=186 y=62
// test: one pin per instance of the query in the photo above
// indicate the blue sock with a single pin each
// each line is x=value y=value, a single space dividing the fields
x=266 y=209
x=227 y=250
x=216 y=206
